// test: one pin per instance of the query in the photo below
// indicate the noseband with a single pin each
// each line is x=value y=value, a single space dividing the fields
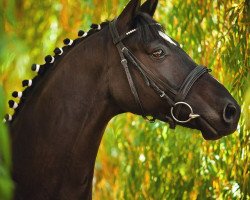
x=151 y=80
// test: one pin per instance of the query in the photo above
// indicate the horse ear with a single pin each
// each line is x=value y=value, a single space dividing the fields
x=125 y=18
x=149 y=7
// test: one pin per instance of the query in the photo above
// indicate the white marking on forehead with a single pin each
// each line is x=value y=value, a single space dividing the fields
x=166 y=37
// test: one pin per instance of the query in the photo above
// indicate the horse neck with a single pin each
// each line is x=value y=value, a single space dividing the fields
x=57 y=133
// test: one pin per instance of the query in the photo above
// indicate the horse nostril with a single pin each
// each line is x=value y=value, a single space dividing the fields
x=229 y=113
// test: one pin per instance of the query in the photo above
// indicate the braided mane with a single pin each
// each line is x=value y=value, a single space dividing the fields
x=41 y=70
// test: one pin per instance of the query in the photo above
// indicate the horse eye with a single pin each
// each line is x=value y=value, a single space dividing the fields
x=158 y=54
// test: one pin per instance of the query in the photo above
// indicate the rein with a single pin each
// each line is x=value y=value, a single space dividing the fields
x=154 y=82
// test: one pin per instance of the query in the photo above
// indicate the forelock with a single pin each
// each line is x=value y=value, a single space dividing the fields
x=147 y=28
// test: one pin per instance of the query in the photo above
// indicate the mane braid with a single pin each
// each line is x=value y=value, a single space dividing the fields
x=41 y=70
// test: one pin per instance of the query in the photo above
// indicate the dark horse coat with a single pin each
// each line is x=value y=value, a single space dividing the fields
x=62 y=114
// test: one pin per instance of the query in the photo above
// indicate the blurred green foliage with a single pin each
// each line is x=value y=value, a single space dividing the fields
x=6 y=184
x=138 y=160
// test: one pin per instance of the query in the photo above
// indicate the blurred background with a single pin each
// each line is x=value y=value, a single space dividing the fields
x=139 y=160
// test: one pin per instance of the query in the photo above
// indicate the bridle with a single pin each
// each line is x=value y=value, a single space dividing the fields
x=151 y=80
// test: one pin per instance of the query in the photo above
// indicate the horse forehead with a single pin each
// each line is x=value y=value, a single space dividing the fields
x=166 y=37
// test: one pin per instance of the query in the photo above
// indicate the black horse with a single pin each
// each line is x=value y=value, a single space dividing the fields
x=126 y=65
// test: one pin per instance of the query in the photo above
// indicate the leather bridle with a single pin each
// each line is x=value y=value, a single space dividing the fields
x=151 y=80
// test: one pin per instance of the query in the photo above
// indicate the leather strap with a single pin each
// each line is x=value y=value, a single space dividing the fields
x=124 y=62
x=192 y=77
x=187 y=84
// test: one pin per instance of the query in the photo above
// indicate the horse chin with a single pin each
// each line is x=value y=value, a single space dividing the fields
x=208 y=132
x=208 y=135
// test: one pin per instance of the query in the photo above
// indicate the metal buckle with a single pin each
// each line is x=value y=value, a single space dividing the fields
x=124 y=49
x=124 y=61
x=191 y=115
x=162 y=94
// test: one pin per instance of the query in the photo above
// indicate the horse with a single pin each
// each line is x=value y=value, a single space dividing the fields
x=128 y=64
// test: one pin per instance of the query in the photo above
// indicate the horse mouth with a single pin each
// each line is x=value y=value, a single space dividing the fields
x=207 y=130
x=210 y=133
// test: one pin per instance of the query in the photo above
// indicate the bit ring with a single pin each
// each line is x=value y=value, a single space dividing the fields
x=191 y=115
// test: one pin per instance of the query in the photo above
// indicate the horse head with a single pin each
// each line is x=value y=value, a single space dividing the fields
x=151 y=75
